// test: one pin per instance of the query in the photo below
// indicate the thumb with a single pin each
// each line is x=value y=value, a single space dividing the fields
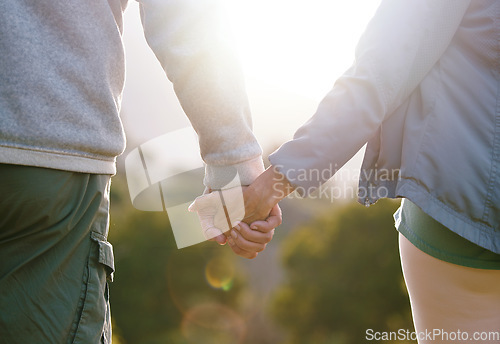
x=220 y=239
x=201 y=202
x=213 y=233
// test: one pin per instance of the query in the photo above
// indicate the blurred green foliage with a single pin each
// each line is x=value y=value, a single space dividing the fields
x=161 y=294
x=341 y=276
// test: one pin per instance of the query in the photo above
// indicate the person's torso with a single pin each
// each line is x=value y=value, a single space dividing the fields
x=62 y=73
x=449 y=150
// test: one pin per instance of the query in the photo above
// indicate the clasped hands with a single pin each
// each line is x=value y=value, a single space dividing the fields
x=244 y=217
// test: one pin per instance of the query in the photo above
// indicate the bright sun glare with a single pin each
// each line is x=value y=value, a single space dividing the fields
x=297 y=45
x=291 y=51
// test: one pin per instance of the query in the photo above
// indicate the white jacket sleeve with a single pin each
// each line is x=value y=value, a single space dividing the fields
x=401 y=44
x=192 y=42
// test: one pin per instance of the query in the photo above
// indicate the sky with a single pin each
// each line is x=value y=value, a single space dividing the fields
x=291 y=52
x=299 y=46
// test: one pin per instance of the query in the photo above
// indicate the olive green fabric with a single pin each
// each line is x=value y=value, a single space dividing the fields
x=55 y=261
x=433 y=238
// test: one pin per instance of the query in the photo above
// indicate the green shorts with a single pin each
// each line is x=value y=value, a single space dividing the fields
x=436 y=240
x=55 y=261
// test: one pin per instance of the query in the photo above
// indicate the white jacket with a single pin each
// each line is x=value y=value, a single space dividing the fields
x=424 y=92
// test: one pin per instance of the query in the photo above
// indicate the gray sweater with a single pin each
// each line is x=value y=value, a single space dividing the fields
x=62 y=75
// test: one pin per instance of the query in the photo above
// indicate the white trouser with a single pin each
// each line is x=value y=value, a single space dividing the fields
x=450 y=301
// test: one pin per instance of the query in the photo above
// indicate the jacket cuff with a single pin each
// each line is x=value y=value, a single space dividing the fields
x=228 y=176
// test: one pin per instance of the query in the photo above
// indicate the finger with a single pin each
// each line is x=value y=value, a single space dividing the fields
x=202 y=202
x=220 y=239
x=254 y=235
x=241 y=252
x=272 y=221
x=214 y=234
x=261 y=215
x=194 y=206
x=245 y=244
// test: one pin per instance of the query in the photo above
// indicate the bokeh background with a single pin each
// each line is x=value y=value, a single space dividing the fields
x=332 y=270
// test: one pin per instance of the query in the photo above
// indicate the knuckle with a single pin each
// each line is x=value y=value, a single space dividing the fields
x=244 y=246
x=269 y=236
x=238 y=251
x=234 y=247
x=244 y=231
x=253 y=255
x=269 y=229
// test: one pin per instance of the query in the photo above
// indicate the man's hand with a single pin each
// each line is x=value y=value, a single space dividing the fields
x=219 y=211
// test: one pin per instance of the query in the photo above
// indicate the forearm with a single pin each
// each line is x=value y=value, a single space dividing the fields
x=190 y=39
x=264 y=193
x=393 y=56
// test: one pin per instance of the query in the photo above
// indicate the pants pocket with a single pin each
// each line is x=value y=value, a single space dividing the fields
x=93 y=323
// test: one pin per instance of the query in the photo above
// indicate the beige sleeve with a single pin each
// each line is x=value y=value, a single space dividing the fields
x=192 y=42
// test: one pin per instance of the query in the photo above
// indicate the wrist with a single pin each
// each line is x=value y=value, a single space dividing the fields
x=272 y=186
x=223 y=176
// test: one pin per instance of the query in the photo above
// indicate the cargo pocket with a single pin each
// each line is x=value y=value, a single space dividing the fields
x=106 y=256
x=93 y=324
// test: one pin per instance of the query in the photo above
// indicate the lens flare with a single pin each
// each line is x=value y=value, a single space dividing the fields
x=213 y=323
x=219 y=273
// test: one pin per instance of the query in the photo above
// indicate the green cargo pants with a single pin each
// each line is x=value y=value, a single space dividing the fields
x=55 y=260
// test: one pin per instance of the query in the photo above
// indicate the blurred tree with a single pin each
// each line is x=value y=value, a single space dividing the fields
x=164 y=295
x=343 y=277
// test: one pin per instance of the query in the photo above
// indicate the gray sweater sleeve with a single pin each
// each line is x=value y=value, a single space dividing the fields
x=190 y=39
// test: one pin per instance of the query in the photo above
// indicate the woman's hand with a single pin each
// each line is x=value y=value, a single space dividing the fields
x=221 y=210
